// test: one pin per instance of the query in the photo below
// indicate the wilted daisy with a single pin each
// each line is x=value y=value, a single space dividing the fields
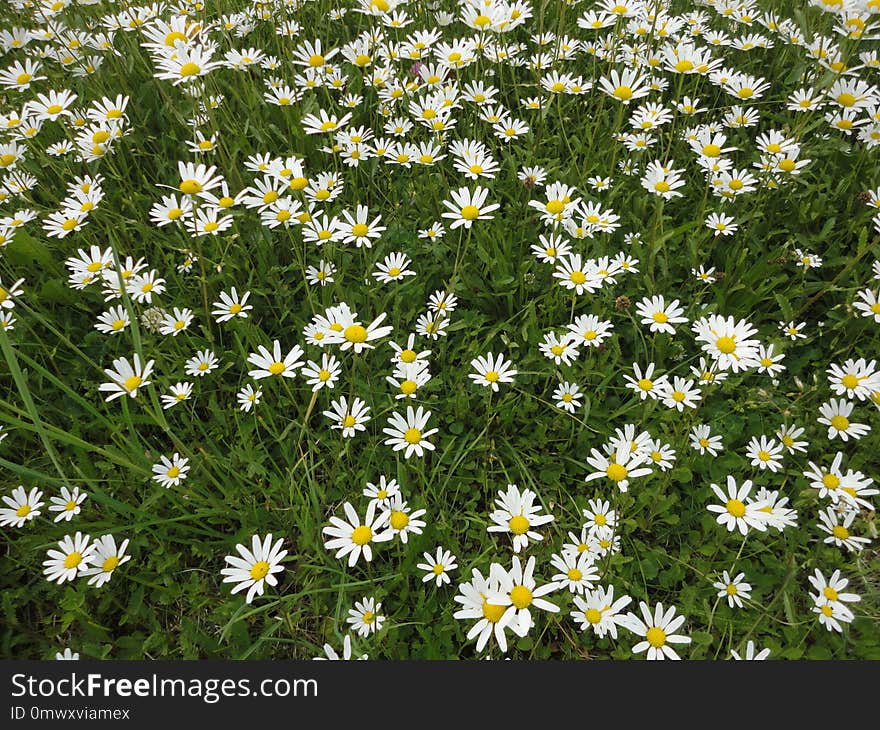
x=658 y=629
x=171 y=472
x=492 y=370
x=126 y=377
x=437 y=566
x=598 y=611
x=67 y=504
x=21 y=506
x=252 y=569
x=105 y=558
x=355 y=538
x=518 y=515
x=364 y=617
x=70 y=560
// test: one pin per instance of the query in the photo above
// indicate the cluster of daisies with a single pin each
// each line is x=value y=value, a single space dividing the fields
x=396 y=99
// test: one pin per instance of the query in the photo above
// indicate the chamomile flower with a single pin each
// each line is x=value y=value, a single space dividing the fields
x=175 y=323
x=483 y=598
x=248 y=397
x=105 y=559
x=518 y=515
x=171 y=472
x=353 y=335
x=466 y=207
x=354 y=538
x=67 y=504
x=835 y=414
x=837 y=524
x=255 y=568
x=21 y=506
x=69 y=560
x=349 y=418
x=204 y=362
x=324 y=375
x=654 y=311
x=567 y=396
x=409 y=434
x=492 y=370
x=735 y=589
x=126 y=377
x=599 y=612
x=619 y=467
x=231 y=305
x=394 y=268
x=438 y=566
x=402 y=520
x=703 y=441
x=267 y=364
x=365 y=617
x=382 y=493
x=577 y=572
x=645 y=383
x=179 y=392
x=737 y=511
x=764 y=453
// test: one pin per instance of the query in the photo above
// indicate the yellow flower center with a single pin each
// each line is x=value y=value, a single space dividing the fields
x=662 y=186
x=407 y=356
x=518 y=525
x=727 y=345
x=555 y=207
x=399 y=519
x=316 y=60
x=577 y=277
x=259 y=570
x=361 y=535
x=360 y=229
x=276 y=368
x=736 y=507
x=492 y=612
x=616 y=472
x=731 y=590
x=412 y=436
x=23 y=511
x=190 y=187
x=660 y=317
x=830 y=593
x=355 y=333
x=73 y=560
x=470 y=212
x=521 y=597
x=408 y=387
x=190 y=69
x=656 y=637
x=349 y=421
x=850 y=382
x=132 y=383
x=574 y=574
x=109 y=565
x=840 y=532
x=841 y=423
x=492 y=376
x=593 y=615
x=684 y=65
x=624 y=93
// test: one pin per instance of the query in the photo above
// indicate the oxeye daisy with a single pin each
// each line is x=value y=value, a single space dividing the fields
x=272 y=363
x=567 y=396
x=561 y=350
x=70 y=560
x=105 y=559
x=67 y=504
x=175 y=323
x=765 y=453
x=364 y=617
x=353 y=335
x=408 y=434
x=658 y=629
x=492 y=370
x=654 y=311
x=248 y=397
x=703 y=441
x=354 y=538
x=408 y=378
x=438 y=566
x=518 y=515
x=524 y=593
x=393 y=268
x=126 y=378
x=170 y=472
x=252 y=569
x=837 y=524
x=645 y=383
x=21 y=506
